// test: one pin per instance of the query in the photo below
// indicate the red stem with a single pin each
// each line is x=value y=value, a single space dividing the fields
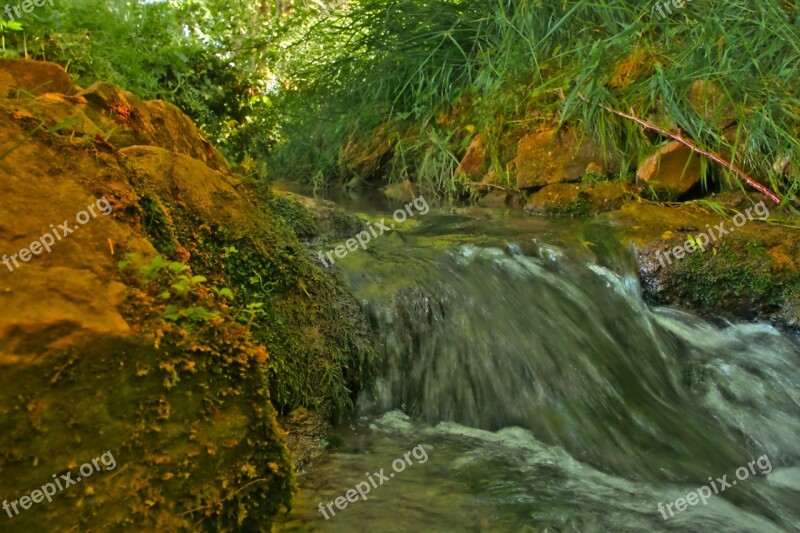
x=686 y=142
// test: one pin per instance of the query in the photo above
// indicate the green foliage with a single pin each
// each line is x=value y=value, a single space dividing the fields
x=451 y=63
x=176 y=285
x=6 y=27
x=209 y=57
x=428 y=159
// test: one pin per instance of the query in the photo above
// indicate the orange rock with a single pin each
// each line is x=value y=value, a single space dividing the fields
x=557 y=157
x=35 y=77
x=131 y=121
x=674 y=169
x=473 y=164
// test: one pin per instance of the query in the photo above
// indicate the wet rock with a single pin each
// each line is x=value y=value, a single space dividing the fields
x=305 y=435
x=672 y=171
x=34 y=77
x=576 y=200
x=558 y=157
x=312 y=218
x=747 y=273
x=496 y=199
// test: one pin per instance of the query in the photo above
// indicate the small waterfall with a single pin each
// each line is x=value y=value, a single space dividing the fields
x=490 y=338
x=550 y=397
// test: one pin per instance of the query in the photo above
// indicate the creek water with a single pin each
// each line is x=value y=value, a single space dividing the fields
x=547 y=396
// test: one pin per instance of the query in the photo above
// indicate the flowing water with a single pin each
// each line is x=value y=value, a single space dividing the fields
x=538 y=392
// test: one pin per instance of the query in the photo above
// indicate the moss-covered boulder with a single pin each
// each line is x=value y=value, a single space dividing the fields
x=170 y=322
x=577 y=199
x=314 y=219
x=746 y=270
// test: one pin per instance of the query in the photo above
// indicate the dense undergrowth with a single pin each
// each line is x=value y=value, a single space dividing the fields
x=212 y=59
x=291 y=91
x=443 y=70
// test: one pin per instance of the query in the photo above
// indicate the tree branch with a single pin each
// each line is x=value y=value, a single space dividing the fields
x=686 y=142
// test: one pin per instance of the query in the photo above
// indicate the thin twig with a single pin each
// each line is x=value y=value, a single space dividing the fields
x=686 y=142
x=489 y=185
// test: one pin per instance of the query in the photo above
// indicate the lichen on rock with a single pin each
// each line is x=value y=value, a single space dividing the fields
x=172 y=332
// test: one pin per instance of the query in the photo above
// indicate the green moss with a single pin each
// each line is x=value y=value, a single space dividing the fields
x=295 y=216
x=578 y=208
x=321 y=352
x=156 y=224
x=209 y=370
x=738 y=276
x=186 y=416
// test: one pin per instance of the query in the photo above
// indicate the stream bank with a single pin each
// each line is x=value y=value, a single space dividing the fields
x=176 y=327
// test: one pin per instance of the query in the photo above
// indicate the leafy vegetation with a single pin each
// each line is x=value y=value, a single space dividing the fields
x=211 y=58
x=722 y=72
x=299 y=90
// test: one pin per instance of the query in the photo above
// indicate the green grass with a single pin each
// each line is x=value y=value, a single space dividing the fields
x=448 y=67
x=295 y=91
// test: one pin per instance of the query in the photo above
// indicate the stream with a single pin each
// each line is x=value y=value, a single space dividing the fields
x=526 y=386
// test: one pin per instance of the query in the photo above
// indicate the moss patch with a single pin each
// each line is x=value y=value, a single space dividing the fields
x=176 y=361
x=737 y=277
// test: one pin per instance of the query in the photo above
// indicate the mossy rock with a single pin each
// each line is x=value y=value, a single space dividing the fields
x=177 y=361
x=313 y=219
x=749 y=273
x=576 y=199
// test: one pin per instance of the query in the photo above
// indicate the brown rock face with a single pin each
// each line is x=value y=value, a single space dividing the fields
x=121 y=229
x=119 y=118
x=557 y=157
x=473 y=165
x=209 y=193
x=673 y=170
x=127 y=120
x=576 y=199
x=364 y=157
x=35 y=77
